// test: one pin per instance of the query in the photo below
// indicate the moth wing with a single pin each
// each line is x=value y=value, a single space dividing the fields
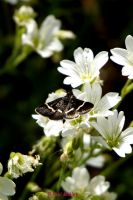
x=44 y=110
x=70 y=114
x=76 y=107
x=60 y=103
x=84 y=107
x=78 y=104
x=58 y=115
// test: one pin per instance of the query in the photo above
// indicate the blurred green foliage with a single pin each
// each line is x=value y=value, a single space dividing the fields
x=99 y=25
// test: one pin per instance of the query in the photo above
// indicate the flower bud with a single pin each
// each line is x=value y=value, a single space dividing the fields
x=39 y=196
x=23 y=15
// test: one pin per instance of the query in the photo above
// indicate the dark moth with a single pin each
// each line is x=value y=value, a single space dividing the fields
x=67 y=107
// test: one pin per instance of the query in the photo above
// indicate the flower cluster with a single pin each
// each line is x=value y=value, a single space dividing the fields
x=86 y=72
x=83 y=123
x=44 y=40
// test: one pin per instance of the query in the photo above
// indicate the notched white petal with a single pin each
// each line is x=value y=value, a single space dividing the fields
x=123 y=149
x=101 y=59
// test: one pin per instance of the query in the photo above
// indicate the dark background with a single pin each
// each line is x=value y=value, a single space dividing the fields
x=99 y=25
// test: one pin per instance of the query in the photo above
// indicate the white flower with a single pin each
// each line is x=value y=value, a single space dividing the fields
x=124 y=57
x=50 y=127
x=23 y=15
x=45 y=41
x=86 y=68
x=78 y=182
x=7 y=186
x=20 y=164
x=111 y=131
x=81 y=184
x=93 y=94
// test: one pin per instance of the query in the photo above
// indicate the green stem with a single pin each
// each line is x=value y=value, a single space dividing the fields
x=13 y=63
x=124 y=89
x=18 y=55
x=61 y=176
x=127 y=88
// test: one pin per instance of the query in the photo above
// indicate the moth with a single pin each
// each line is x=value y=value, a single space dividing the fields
x=67 y=107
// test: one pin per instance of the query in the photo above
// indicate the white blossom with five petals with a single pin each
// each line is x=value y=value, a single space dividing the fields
x=111 y=131
x=86 y=67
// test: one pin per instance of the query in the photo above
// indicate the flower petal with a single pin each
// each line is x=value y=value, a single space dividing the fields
x=96 y=162
x=119 y=56
x=108 y=101
x=32 y=33
x=67 y=67
x=7 y=186
x=75 y=82
x=53 y=128
x=101 y=59
x=3 y=197
x=101 y=126
x=81 y=177
x=49 y=27
x=127 y=70
x=129 y=43
x=1 y=168
x=99 y=185
x=127 y=135
x=69 y=185
x=123 y=149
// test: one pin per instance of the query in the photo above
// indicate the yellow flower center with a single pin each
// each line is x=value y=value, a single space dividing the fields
x=86 y=77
